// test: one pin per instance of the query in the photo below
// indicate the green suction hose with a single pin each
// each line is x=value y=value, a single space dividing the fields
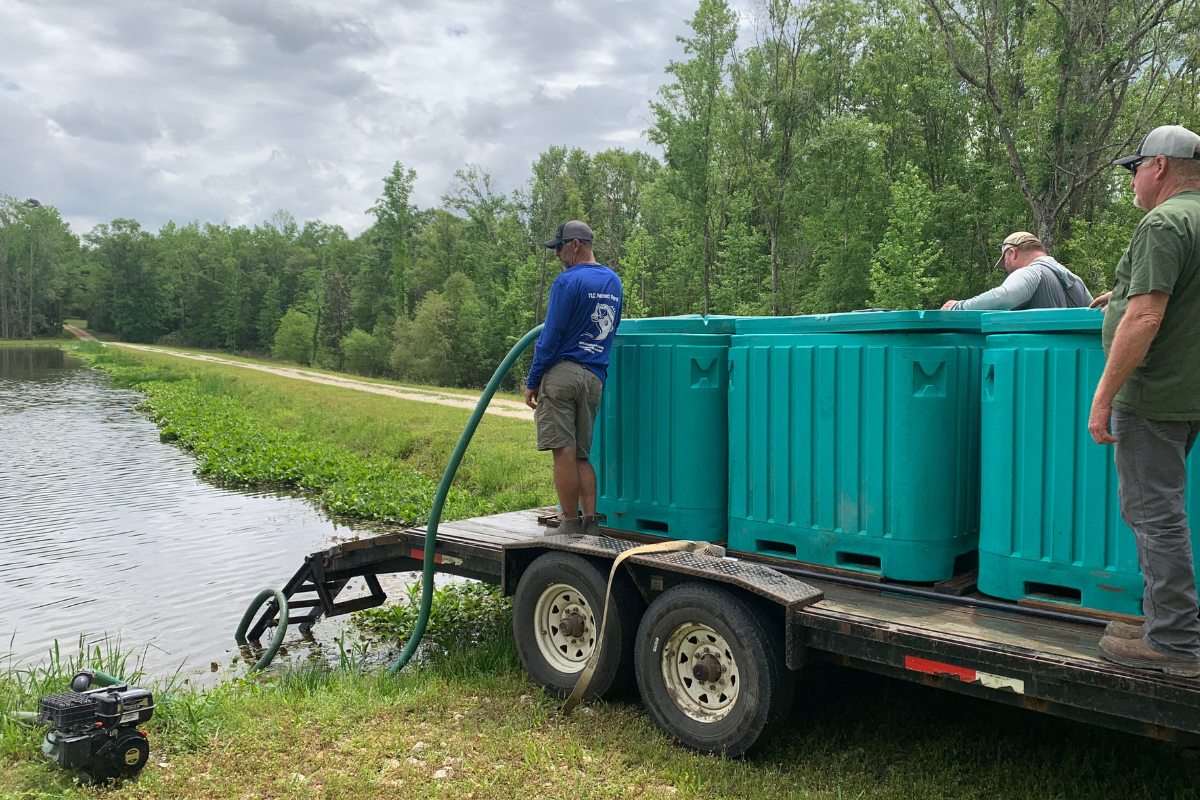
x=280 y=630
x=435 y=516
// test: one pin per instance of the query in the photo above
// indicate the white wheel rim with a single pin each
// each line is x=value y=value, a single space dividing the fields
x=702 y=701
x=565 y=653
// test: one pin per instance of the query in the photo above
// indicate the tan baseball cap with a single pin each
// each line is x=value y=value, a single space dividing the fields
x=1012 y=240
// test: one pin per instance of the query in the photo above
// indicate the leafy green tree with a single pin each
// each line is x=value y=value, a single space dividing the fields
x=396 y=224
x=685 y=117
x=843 y=213
x=38 y=255
x=1068 y=86
x=127 y=300
x=775 y=112
x=899 y=272
x=424 y=345
x=620 y=177
x=366 y=354
x=543 y=203
x=294 y=337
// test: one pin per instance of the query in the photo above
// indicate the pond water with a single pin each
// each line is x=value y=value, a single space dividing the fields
x=106 y=532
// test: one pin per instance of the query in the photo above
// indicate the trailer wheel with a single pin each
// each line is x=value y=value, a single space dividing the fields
x=557 y=609
x=711 y=669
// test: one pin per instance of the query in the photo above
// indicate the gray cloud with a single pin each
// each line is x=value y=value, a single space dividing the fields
x=158 y=110
x=112 y=124
x=294 y=28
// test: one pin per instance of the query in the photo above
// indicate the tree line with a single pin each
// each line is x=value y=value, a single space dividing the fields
x=837 y=154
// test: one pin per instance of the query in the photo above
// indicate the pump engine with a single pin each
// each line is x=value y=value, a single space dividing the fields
x=97 y=731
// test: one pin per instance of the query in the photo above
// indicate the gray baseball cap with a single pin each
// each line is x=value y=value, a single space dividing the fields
x=1172 y=141
x=571 y=230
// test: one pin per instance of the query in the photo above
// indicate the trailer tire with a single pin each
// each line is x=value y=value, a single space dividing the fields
x=559 y=584
x=714 y=630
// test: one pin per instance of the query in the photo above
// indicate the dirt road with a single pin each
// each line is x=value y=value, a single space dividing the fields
x=499 y=407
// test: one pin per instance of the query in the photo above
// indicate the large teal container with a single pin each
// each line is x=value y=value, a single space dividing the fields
x=660 y=444
x=1051 y=525
x=854 y=440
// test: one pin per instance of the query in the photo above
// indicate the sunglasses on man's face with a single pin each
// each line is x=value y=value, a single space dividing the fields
x=1133 y=168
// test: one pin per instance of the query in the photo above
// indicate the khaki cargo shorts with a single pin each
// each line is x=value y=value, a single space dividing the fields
x=568 y=400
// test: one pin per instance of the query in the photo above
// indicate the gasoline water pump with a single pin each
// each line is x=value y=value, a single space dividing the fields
x=96 y=731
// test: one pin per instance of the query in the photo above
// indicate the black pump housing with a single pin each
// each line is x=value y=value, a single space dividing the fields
x=97 y=732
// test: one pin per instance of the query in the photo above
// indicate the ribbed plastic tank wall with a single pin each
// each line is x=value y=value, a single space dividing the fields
x=660 y=443
x=854 y=440
x=1051 y=525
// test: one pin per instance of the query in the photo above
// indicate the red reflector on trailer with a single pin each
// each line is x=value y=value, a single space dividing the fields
x=965 y=675
x=419 y=555
x=938 y=668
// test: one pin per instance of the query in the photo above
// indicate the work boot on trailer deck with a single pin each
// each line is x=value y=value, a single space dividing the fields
x=1137 y=654
x=571 y=525
x=1122 y=630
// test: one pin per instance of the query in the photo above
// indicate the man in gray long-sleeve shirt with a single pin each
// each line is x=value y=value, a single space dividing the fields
x=1035 y=280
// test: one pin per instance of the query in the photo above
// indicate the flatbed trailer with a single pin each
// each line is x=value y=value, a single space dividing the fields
x=1041 y=663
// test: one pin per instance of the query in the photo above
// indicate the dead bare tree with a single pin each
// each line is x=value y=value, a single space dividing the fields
x=1068 y=84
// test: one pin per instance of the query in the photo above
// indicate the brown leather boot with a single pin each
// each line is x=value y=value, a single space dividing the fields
x=1137 y=654
x=1123 y=630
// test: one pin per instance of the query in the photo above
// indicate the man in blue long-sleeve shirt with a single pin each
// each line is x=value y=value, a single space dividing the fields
x=570 y=363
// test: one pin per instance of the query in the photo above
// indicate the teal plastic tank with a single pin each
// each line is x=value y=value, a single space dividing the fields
x=660 y=444
x=1051 y=524
x=854 y=440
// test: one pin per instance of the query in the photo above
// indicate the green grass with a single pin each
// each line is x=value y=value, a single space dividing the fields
x=78 y=323
x=470 y=725
x=359 y=454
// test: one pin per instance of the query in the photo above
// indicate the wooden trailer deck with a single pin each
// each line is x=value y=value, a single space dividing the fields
x=1040 y=664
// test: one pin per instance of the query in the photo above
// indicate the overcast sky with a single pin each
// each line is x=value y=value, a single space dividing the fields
x=231 y=109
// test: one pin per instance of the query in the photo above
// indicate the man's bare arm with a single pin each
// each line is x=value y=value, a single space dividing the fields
x=1130 y=344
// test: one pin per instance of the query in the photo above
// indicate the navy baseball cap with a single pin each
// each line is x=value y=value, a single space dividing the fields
x=569 y=231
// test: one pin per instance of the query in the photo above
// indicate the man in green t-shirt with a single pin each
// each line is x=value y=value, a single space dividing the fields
x=1150 y=393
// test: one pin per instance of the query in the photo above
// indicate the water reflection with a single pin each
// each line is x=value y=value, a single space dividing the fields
x=32 y=363
x=104 y=529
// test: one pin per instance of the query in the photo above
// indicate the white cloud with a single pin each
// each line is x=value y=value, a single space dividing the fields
x=229 y=110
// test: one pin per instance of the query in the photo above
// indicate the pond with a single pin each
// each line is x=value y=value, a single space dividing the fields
x=107 y=533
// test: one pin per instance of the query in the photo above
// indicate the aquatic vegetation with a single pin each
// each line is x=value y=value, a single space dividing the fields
x=235 y=444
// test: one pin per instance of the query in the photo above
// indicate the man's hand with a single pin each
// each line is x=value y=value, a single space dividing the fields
x=1099 y=421
x=1101 y=301
x=948 y=305
x=531 y=398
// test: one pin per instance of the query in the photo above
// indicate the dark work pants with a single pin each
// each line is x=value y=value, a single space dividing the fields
x=1152 y=476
